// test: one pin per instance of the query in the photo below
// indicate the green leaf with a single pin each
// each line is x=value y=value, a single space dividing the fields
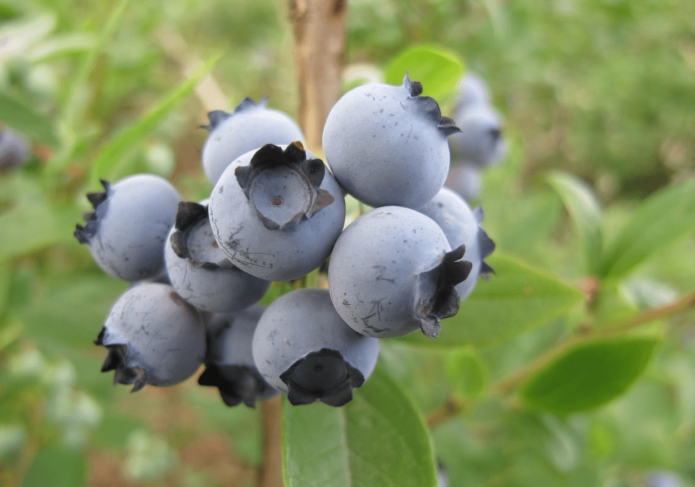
x=516 y=299
x=111 y=162
x=25 y=120
x=438 y=69
x=467 y=372
x=659 y=221
x=377 y=439
x=5 y=281
x=589 y=375
x=27 y=229
x=57 y=467
x=585 y=212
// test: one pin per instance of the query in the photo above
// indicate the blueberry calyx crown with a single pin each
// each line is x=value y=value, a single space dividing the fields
x=321 y=376
x=116 y=360
x=283 y=185
x=485 y=243
x=84 y=233
x=191 y=215
x=445 y=301
x=237 y=383
x=216 y=117
x=429 y=107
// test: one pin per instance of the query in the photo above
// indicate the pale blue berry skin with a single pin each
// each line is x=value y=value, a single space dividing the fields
x=480 y=142
x=164 y=336
x=464 y=179
x=461 y=226
x=230 y=340
x=15 y=150
x=472 y=91
x=249 y=127
x=206 y=278
x=378 y=275
x=302 y=322
x=388 y=146
x=278 y=254
x=127 y=230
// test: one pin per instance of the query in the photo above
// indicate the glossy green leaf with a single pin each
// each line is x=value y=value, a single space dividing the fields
x=27 y=229
x=111 y=162
x=438 y=69
x=466 y=371
x=659 y=221
x=589 y=375
x=516 y=299
x=57 y=467
x=585 y=212
x=25 y=120
x=377 y=439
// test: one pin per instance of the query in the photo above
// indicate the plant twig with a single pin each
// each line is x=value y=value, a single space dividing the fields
x=271 y=418
x=505 y=385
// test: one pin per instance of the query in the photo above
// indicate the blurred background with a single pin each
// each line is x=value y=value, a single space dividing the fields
x=604 y=89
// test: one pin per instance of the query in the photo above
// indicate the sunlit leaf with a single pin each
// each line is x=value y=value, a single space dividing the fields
x=27 y=229
x=57 y=467
x=438 y=69
x=377 y=439
x=589 y=375
x=659 y=221
x=585 y=212
x=25 y=120
x=467 y=372
x=516 y=299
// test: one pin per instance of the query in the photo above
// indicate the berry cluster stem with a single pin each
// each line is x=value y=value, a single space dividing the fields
x=454 y=405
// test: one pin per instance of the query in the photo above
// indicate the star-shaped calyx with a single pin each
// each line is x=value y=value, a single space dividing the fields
x=236 y=383
x=445 y=300
x=216 y=117
x=192 y=238
x=283 y=186
x=84 y=233
x=117 y=360
x=321 y=376
x=428 y=107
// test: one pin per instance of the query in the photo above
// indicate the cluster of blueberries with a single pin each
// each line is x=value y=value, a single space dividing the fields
x=277 y=213
x=480 y=142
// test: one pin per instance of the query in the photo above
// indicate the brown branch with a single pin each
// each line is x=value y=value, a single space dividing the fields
x=319 y=33
x=271 y=418
x=455 y=406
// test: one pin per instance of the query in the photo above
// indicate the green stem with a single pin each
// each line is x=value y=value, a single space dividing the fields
x=454 y=406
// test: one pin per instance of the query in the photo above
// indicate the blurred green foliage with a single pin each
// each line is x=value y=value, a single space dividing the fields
x=601 y=89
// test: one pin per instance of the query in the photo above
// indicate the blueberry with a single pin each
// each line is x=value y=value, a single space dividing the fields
x=229 y=364
x=153 y=337
x=277 y=213
x=249 y=127
x=304 y=348
x=14 y=149
x=127 y=229
x=200 y=272
x=480 y=141
x=472 y=91
x=392 y=271
x=387 y=145
x=461 y=225
x=464 y=179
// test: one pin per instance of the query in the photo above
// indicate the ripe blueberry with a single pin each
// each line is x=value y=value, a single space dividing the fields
x=392 y=271
x=461 y=225
x=472 y=91
x=229 y=364
x=14 y=149
x=127 y=229
x=153 y=337
x=200 y=272
x=302 y=347
x=464 y=179
x=249 y=127
x=387 y=145
x=480 y=141
x=277 y=213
